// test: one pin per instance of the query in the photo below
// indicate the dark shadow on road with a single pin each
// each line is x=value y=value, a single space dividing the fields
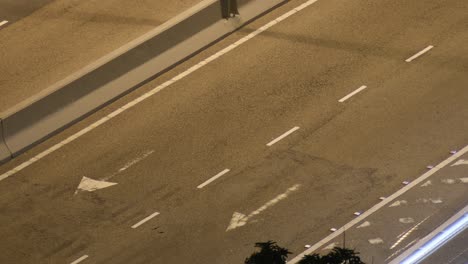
x=364 y=49
x=16 y=9
x=101 y=18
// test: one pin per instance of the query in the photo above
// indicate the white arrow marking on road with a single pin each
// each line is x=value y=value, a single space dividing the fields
x=436 y=201
x=460 y=162
x=365 y=224
x=239 y=219
x=406 y=220
x=426 y=183
x=330 y=246
x=448 y=181
x=398 y=203
x=375 y=241
x=90 y=185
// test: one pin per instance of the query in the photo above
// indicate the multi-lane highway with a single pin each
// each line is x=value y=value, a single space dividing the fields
x=40 y=48
x=280 y=137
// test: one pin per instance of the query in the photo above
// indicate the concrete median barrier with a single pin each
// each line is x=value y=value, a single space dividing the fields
x=121 y=71
x=4 y=151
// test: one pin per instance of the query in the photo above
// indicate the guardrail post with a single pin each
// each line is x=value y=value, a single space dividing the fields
x=229 y=8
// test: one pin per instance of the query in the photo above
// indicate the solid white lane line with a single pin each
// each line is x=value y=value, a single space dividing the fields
x=419 y=53
x=80 y=259
x=352 y=93
x=152 y=92
x=3 y=23
x=282 y=136
x=145 y=220
x=213 y=178
x=376 y=207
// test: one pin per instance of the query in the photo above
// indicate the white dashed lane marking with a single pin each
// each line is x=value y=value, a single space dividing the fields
x=80 y=259
x=419 y=53
x=289 y=132
x=145 y=220
x=213 y=178
x=352 y=93
x=4 y=22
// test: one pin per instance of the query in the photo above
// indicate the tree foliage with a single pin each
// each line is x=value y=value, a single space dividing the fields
x=336 y=256
x=270 y=253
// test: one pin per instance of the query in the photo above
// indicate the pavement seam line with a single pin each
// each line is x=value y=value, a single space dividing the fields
x=378 y=206
x=143 y=97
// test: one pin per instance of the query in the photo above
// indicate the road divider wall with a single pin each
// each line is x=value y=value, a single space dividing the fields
x=121 y=71
x=4 y=151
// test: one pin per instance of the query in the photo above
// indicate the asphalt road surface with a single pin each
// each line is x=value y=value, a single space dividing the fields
x=342 y=157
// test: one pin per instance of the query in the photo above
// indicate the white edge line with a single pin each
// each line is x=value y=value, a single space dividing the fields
x=282 y=136
x=352 y=93
x=419 y=53
x=147 y=94
x=4 y=22
x=145 y=220
x=379 y=205
x=213 y=178
x=80 y=259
